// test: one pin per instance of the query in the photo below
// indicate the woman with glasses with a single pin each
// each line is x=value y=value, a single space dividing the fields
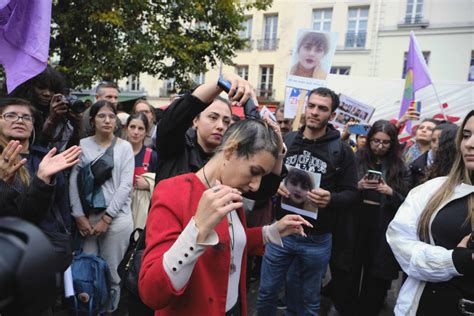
x=27 y=188
x=106 y=232
x=384 y=182
x=32 y=183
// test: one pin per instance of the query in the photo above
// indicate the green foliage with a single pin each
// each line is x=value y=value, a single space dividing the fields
x=112 y=39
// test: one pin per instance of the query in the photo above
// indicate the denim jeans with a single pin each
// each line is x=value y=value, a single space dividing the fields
x=313 y=253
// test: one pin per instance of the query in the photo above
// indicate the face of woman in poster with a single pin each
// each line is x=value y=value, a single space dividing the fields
x=298 y=185
x=310 y=55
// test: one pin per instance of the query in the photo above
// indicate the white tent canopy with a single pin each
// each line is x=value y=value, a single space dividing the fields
x=386 y=94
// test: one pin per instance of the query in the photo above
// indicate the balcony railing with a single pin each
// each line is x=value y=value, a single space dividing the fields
x=413 y=19
x=265 y=94
x=355 y=40
x=267 y=44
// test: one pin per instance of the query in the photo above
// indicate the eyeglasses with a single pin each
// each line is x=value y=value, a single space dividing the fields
x=378 y=142
x=13 y=117
x=104 y=116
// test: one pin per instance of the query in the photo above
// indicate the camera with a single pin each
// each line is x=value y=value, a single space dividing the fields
x=75 y=104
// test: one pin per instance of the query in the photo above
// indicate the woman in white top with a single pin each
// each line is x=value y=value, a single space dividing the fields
x=106 y=232
x=429 y=237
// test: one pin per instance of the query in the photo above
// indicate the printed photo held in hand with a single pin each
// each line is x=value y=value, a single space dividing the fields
x=298 y=184
x=311 y=60
x=351 y=110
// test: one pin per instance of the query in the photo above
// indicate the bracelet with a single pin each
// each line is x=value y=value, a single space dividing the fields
x=107 y=222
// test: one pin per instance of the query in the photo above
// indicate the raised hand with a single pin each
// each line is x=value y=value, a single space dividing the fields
x=51 y=164
x=240 y=90
x=57 y=108
x=10 y=161
x=292 y=224
x=214 y=205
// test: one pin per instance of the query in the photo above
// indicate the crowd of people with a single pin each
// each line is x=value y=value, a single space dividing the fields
x=211 y=190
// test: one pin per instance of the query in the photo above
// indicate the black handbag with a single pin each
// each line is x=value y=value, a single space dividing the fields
x=129 y=267
x=102 y=167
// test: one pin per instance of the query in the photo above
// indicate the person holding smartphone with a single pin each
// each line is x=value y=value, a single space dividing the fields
x=383 y=183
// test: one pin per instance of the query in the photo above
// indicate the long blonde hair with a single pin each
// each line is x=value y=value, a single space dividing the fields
x=458 y=174
x=22 y=173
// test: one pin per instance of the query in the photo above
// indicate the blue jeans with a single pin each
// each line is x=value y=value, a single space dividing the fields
x=313 y=253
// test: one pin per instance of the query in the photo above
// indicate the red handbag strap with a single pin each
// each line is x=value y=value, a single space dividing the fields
x=146 y=159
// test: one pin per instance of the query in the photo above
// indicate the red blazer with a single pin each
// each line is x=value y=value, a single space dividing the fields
x=174 y=202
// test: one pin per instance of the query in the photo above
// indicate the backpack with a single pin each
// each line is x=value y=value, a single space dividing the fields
x=91 y=280
x=334 y=148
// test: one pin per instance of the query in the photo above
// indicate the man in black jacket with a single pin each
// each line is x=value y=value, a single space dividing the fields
x=315 y=148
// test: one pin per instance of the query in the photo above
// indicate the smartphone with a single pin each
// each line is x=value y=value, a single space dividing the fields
x=359 y=129
x=374 y=175
x=416 y=105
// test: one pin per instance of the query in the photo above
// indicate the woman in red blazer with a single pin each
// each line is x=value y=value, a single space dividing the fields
x=197 y=240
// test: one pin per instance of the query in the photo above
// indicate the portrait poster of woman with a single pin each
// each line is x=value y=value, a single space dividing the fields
x=311 y=59
x=299 y=183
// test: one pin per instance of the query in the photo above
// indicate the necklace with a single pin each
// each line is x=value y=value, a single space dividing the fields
x=233 y=267
x=205 y=178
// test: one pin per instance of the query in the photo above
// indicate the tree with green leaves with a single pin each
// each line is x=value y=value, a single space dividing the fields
x=113 y=39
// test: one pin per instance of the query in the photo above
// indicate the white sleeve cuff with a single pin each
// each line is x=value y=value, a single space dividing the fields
x=180 y=259
x=271 y=234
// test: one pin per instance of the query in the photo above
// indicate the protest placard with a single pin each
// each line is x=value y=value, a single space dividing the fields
x=351 y=109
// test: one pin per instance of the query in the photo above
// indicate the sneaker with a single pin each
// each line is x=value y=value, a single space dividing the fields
x=281 y=305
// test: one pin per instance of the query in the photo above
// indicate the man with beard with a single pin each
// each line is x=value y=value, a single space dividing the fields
x=317 y=148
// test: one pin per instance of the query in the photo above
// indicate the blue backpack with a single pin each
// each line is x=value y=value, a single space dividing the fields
x=91 y=279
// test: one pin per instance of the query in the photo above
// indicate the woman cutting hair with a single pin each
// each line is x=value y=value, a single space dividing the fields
x=197 y=245
x=429 y=237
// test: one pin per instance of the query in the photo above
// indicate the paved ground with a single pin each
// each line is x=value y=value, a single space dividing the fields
x=252 y=299
x=325 y=302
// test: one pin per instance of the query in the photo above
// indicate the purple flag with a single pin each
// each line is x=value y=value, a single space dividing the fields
x=25 y=28
x=417 y=75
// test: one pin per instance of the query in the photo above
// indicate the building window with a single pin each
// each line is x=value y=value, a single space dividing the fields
x=133 y=83
x=168 y=88
x=322 y=19
x=199 y=78
x=340 y=70
x=243 y=72
x=270 y=40
x=246 y=28
x=470 y=77
x=266 y=82
x=426 y=56
x=357 y=27
x=414 y=12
